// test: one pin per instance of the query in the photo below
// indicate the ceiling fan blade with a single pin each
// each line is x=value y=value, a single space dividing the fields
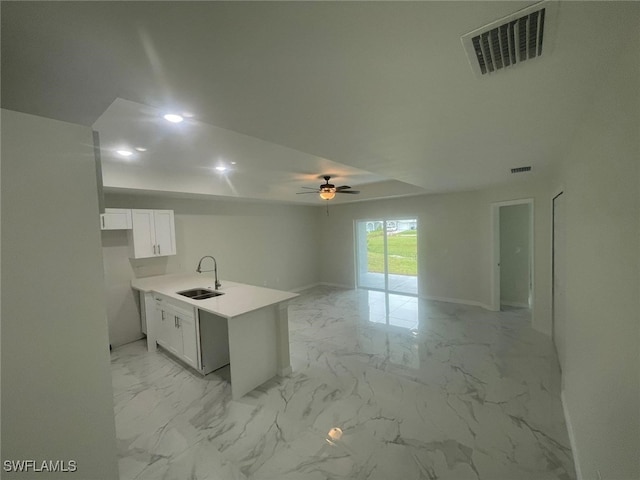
x=301 y=193
x=343 y=187
x=352 y=192
x=310 y=188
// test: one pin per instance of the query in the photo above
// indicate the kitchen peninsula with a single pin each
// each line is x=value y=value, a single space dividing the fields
x=246 y=326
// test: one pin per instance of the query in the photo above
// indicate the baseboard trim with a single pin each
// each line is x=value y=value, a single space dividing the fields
x=460 y=301
x=472 y=303
x=118 y=345
x=337 y=285
x=572 y=438
x=515 y=304
x=320 y=284
x=306 y=287
x=283 y=372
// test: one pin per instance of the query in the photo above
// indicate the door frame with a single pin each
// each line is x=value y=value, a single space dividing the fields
x=558 y=193
x=357 y=263
x=495 y=250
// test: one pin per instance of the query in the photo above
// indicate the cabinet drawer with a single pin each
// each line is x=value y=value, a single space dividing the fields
x=177 y=307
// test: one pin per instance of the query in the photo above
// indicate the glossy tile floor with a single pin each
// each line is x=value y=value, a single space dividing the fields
x=407 y=284
x=383 y=388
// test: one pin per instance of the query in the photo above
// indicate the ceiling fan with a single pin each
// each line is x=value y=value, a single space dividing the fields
x=327 y=190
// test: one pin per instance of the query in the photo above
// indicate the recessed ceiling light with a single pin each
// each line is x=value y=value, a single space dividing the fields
x=173 y=118
x=233 y=163
x=221 y=168
x=141 y=149
x=187 y=114
x=124 y=153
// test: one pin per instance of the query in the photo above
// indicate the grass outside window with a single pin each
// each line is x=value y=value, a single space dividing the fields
x=402 y=250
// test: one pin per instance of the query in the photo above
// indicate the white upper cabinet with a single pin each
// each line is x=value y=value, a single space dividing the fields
x=153 y=233
x=115 y=219
x=165 y=232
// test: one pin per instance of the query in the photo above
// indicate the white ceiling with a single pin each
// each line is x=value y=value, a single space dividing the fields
x=184 y=157
x=378 y=93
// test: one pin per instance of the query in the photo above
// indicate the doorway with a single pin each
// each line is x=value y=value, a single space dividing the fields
x=558 y=306
x=387 y=255
x=512 y=282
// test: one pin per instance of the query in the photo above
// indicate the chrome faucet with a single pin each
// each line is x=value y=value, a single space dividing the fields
x=215 y=269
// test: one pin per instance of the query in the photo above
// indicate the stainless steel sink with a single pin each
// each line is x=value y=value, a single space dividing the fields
x=199 y=293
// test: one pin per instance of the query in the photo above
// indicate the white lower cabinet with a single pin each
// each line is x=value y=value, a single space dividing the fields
x=198 y=338
x=177 y=330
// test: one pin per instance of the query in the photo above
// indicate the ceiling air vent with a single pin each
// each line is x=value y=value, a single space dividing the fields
x=520 y=169
x=511 y=40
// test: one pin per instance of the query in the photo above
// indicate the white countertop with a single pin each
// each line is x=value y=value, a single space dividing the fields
x=238 y=298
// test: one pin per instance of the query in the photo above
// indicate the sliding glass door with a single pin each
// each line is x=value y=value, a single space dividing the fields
x=387 y=255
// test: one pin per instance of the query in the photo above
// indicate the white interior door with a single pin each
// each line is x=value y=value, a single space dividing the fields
x=515 y=255
x=559 y=259
x=496 y=272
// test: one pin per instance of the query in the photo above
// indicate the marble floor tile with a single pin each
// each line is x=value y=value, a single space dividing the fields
x=397 y=283
x=383 y=387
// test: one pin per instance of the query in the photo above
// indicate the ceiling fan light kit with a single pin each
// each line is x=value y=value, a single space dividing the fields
x=327 y=194
x=328 y=191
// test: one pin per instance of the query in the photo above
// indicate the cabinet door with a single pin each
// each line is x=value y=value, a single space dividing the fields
x=165 y=234
x=143 y=238
x=164 y=323
x=174 y=340
x=189 y=340
x=115 y=219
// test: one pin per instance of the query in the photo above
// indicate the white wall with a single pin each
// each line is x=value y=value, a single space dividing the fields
x=454 y=242
x=123 y=308
x=514 y=255
x=57 y=400
x=601 y=180
x=261 y=244
x=0 y=298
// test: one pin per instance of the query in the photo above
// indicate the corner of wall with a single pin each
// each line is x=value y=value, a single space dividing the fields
x=572 y=438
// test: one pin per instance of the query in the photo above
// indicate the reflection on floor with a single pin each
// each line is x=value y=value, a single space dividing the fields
x=433 y=390
x=393 y=309
x=397 y=283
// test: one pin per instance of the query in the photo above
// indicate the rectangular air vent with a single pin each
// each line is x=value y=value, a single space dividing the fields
x=520 y=169
x=511 y=40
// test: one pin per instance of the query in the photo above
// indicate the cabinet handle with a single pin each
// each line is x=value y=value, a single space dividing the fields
x=162 y=314
x=102 y=218
x=158 y=249
x=154 y=249
x=175 y=322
